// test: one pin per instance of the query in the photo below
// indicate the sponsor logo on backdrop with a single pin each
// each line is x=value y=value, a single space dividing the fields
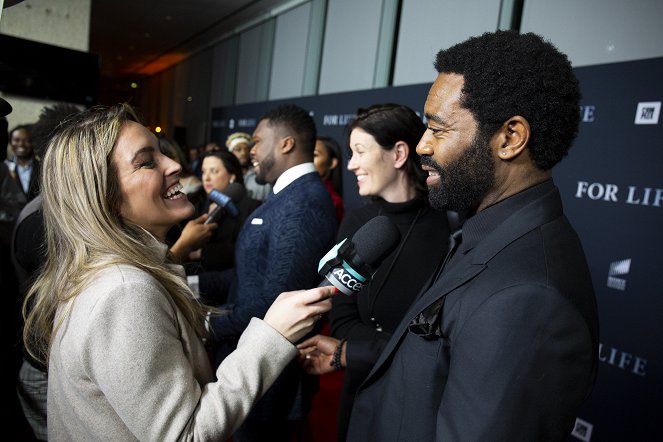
x=582 y=430
x=612 y=193
x=233 y=123
x=587 y=113
x=246 y=122
x=628 y=362
x=337 y=119
x=648 y=112
x=618 y=268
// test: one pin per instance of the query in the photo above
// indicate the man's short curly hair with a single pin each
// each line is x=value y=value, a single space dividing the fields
x=297 y=122
x=508 y=74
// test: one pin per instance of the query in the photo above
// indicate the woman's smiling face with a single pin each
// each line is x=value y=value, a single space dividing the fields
x=149 y=182
x=373 y=166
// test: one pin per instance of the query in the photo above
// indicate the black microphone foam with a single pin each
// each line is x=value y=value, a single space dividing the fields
x=375 y=240
x=350 y=265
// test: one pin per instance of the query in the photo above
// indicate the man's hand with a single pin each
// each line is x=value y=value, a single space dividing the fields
x=316 y=354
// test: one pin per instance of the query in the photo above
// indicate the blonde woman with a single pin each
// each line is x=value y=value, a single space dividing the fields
x=114 y=319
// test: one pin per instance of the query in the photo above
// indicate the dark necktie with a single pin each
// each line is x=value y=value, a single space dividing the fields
x=426 y=323
x=454 y=241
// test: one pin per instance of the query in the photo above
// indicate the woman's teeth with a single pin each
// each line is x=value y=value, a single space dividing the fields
x=173 y=191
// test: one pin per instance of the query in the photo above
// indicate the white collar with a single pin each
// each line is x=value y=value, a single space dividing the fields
x=291 y=175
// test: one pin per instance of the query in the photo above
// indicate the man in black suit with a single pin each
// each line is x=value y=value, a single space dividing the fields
x=25 y=168
x=502 y=342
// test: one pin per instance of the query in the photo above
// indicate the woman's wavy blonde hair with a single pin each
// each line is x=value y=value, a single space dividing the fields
x=84 y=232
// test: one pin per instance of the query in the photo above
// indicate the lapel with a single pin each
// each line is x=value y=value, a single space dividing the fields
x=515 y=226
x=33 y=187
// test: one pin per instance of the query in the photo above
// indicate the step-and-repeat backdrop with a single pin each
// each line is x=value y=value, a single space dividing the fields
x=612 y=187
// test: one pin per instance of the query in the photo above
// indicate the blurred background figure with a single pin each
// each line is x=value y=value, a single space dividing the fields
x=193 y=157
x=328 y=161
x=211 y=146
x=383 y=138
x=220 y=169
x=24 y=167
x=12 y=200
x=240 y=144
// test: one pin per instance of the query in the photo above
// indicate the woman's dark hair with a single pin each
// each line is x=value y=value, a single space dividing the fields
x=230 y=162
x=334 y=151
x=390 y=123
x=508 y=74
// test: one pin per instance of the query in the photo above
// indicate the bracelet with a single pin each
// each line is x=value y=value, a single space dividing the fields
x=336 y=359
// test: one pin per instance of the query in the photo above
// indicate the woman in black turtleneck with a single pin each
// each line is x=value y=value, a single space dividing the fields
x=383 y=139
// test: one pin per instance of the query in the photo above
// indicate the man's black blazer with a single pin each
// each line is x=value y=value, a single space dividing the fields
x=517 y=347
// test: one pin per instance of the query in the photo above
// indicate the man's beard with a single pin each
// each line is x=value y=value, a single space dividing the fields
x=265 y=166
x=465 y=181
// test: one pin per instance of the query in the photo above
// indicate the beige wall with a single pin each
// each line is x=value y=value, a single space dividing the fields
x=64 y=23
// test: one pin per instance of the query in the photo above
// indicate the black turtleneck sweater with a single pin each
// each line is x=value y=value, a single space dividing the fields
x=368 y=319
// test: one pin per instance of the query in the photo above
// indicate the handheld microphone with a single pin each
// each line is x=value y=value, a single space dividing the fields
x=350 y=265
x=224 y=201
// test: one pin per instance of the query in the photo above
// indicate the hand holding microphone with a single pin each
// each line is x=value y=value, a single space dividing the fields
x=195 y=234
x=198 y=232
x=293 y=314
x=348 y=266
x=225 y=201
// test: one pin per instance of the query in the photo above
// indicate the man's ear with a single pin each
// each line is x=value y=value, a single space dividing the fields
x=401 y=151
x=513 y=137
x=287 y=144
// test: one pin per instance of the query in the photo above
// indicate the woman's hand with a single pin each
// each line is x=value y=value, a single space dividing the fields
x=293 y=314
x=194 y=235
x=316 y=354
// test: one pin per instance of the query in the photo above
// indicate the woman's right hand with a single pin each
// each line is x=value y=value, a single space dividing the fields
x=293 y=314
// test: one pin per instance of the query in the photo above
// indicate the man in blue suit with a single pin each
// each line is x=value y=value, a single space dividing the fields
x=501 y=344
x=278 y=250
